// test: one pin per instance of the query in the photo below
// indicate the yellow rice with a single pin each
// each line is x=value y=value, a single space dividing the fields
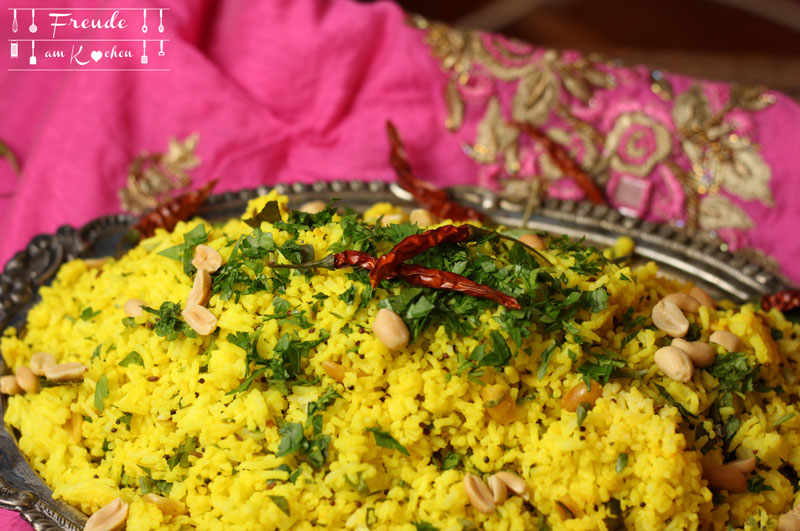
x=409 y=394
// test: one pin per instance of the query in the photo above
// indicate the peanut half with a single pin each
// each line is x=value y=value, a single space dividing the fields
x=701 y=354
x=674 y=363
x=789 y=521
x=498 y=403
x=133 y=307
x=532 y=240
x=201 y=289
x=199 y=319
x=27 y=380
x=729 y=340
x=683 y=301
x=109 y=517
x=207 y=258
x=579 y=394
x=498 y=488
x=65 y=371
x=479 y=494
x=40 y=361
x=745 y=465
x=670 y=319
x=700 y=295
x=725 y=477
x=422 y=217
x=390 y=329
x=165 y=505
x=515 y=484
x=313 y=207
x=9 y=385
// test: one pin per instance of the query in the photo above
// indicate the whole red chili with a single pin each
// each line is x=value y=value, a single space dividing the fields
x=416 y=244
x=169 y=213
x=434 y=199
x=783 y=300
x=413 y=274
x=565 y=163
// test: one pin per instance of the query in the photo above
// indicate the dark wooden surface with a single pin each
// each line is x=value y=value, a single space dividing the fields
x=703 y=38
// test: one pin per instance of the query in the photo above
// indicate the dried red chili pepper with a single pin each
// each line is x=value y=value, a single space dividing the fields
x=565 y=163
x=434 y=199
x=783 y=300
x=416 y=244
x=169 y=213
x=413 y=274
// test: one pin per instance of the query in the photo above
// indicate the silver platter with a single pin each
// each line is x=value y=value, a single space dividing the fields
x=678 y=253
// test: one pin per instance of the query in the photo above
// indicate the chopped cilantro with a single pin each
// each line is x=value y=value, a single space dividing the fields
x=182 y=452
x=685 y=413
x=125 y=419
x=451 y=461
x=291 y=438
x=546 y=355
x=168 y=323
x=425 y=526
x=133 y=358
x=596 y=300
x=88 y=314
x=156 y=486
x=100 y=392
x=385 y=440
x=783 y=419
x=321 y=404
x=622 y=462
x=129 y=322
x=96 y=351
x=282 y=504
x=349 y=295
x=271 y=212
x=755 y=484
x=601 y=370
x=776 y=334
x=582 y=410
x=733 y=372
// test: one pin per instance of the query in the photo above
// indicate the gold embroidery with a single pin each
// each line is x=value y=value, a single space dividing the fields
x=563 y=137
x=536 y=96
x=152 y=176
x=633 y=147
x=719 y=212
x=495 y=137
x=455 y=106
x=719 y=158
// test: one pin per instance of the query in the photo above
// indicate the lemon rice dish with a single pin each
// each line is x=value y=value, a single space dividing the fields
x=190 y=385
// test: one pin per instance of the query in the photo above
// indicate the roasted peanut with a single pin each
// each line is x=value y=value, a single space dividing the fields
x=392 y=219
x=9 y=385
x=479 y=494
x=200 y=319
x=498 y=403
x=700 y=295
x=94 y=263
x=422 y=217
x=669 y=318
x=674 y=363
x=683 y=301
x=789 y=521
x=74 y=427
x=27 y=380
x=533 y=240
x=580 y=394
x=745 y=465
x=515 y=484
x=65 y=371
x=725 y=477
x=729 y=340
x=40 y=361
x=133 y=307
x=334 y=370
x=109 y=517
x=313 y=207
x=498 y=489
x=390 y=329
x=201 y=289
x=207 y=258
x=701 y=354
x=165 y=505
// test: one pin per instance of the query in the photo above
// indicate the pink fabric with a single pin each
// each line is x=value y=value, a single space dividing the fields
x=286 y=91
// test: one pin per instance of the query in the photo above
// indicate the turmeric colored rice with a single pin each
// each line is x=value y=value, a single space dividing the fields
x=390 y=443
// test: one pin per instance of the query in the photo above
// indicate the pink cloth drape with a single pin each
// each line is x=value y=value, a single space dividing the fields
x=284 y=91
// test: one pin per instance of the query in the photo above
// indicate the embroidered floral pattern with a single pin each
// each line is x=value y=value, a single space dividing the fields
x=674 y=152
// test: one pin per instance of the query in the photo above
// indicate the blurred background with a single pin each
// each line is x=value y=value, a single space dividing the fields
x=749 y=41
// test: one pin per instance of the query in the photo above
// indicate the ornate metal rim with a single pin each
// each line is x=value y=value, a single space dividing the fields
x=686 y=255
